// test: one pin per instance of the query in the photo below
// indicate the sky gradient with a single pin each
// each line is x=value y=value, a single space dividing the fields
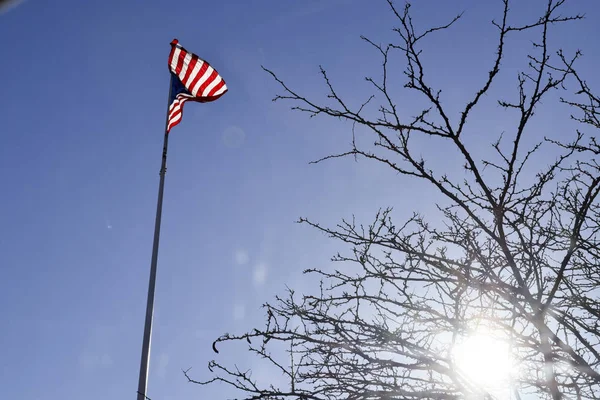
x=84 y=100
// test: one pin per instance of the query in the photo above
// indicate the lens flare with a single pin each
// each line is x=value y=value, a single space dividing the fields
x=484 y=360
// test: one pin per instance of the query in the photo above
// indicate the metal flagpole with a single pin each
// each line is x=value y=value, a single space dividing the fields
x=145 y=361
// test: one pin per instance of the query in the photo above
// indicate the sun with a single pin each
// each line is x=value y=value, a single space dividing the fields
x=484 y=360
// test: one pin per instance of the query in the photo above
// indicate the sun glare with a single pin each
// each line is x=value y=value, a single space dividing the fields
x=484 y=360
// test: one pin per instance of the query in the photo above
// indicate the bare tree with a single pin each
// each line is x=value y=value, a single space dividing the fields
x=516 y=256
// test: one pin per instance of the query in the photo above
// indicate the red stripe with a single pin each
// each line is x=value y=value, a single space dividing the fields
x=172 y=54
x=216 y=88
x=196 y=78
x=172 y=126
x=179 y=103
x=182 y=55
x=175 y=107
x=173 y=123
x=191 y=67
x=173 y=114
x=207 y=82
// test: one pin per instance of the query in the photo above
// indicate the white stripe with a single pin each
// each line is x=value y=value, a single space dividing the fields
x=170 y=127
x=211 y=86
x=176 y=107
x=174 y=110
x=175 y=59
x=221 y=91
x=175 y=119
x=186 y=64
x=206 y=75
x=195 y=71
x=183 y=97
x=179 y=99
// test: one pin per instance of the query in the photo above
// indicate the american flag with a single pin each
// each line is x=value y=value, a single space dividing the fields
x=192 y=79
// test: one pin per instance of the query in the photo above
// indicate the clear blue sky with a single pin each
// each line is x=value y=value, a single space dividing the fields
x=84 y=90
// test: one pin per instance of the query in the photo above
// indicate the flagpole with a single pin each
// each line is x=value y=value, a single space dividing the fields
x=145 y=360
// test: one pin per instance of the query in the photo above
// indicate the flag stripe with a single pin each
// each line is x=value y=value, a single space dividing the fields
x=174 y=50
x=218 y=87
x=209 y=79
x=192 y=70
x=194 y=85
x=184 y=68
x=211 y=85
x=197 y=89
x=175 y=61
x=176 y=109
